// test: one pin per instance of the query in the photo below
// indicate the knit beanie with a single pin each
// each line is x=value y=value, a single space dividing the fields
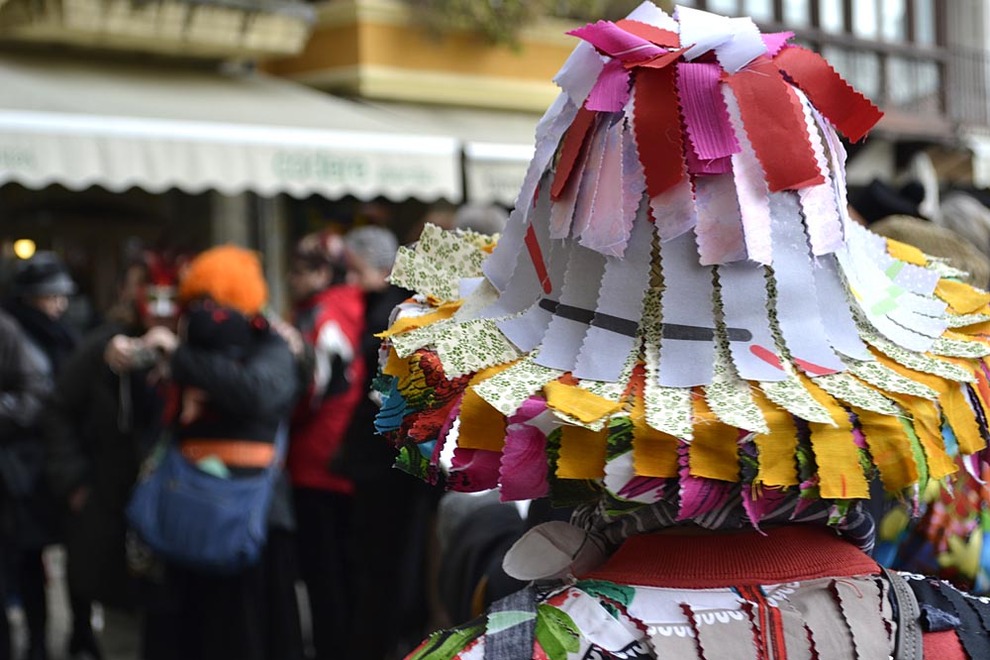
x=229 y=275
x=44 y=274
x=680 y=313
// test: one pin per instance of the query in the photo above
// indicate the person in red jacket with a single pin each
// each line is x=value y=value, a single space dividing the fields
x=329 y=317
x=683 y=335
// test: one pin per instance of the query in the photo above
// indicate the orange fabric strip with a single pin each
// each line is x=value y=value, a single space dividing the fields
x=408 y=323
x=654 y=452
x=582 y=453
x=962 y=298
x=714 y=452
x=482 y=426
x=890 y=450
x=840 y=473
x=927 y=422
x=234 y=453
x=578 y=403
x=906 y=253
x=776 y=450
x=774 y=122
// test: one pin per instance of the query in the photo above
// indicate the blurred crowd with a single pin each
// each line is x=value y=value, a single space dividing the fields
x=192 y=356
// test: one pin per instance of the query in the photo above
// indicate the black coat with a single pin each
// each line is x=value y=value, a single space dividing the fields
x=24 y=386
x=100 y=427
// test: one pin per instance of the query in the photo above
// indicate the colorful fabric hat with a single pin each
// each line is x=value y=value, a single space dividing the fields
x=680 y=309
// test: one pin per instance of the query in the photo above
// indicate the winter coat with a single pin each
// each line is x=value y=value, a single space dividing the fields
x=332 y=323
x=24 y=387
x=50 y=343
x=100 y=427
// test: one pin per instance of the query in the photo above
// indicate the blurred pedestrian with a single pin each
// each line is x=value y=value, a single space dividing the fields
x=24 y=385
x=233 y=386
x=107 y=414
x=40 y=296
x=328 y=314
x=382 y=627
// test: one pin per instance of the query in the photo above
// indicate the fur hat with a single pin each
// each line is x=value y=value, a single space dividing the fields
x=230 y=275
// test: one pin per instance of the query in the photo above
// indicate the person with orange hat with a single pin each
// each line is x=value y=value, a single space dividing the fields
x=682 y=334
x=234 y=387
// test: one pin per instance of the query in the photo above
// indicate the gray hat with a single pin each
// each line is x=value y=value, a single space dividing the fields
x=44 y=274
x=375 y=244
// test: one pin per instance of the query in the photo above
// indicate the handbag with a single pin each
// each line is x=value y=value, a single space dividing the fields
x=200 y=520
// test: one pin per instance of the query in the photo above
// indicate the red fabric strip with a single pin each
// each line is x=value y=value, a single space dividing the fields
x=657 y=120
x=659 y=36
x=573 y=141
x=536 y=256
x=758 y=616
x=849 y=111
x=775 y=126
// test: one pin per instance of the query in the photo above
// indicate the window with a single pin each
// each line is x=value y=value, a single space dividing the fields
x=864 y=19
x=893 y=17
x=796 y=13
x=832 y=15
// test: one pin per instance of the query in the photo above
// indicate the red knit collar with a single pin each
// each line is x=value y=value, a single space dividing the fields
x=746 y=558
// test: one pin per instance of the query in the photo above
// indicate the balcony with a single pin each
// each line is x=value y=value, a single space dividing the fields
x=217 y=29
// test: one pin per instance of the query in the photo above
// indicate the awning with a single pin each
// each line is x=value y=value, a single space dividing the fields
x=117 y=126
x=497 y=146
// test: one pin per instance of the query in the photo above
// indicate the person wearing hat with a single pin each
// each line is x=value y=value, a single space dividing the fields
x=234 y=386
x=328 y=324
x=682 y=334
x=24 y=387
x=39 y=297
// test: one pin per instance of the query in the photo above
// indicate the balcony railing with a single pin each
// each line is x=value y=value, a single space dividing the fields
x=220 y=29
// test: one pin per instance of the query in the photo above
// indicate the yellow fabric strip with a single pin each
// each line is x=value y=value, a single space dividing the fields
x=840 y=474
x=578 y=403
x=408 y=323
x=654 y=452
x=906 y=252
x=963 y=298
x=482 y=426
x=582 y=453
x=889 y=448
x=714 y=452
x=776 y=450
x=927 y=423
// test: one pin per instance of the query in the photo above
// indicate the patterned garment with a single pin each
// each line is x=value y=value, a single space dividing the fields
x=829 y=619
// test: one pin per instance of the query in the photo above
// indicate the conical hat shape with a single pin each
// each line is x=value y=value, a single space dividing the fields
x=681 y=298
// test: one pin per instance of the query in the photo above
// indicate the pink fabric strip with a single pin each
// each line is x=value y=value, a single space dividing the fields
x=774 y=41
x=611 y=90
x=613 y=40
x=522 y=474
x=705 y=114
x=719 y=230
x=608 y=231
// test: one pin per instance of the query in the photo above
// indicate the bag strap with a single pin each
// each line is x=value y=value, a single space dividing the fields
x=908 y=644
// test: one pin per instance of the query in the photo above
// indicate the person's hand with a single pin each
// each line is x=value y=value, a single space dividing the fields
x=78 y=499
x=290 y=334
x=121 y=353
x=161 y=339
x=193 y=402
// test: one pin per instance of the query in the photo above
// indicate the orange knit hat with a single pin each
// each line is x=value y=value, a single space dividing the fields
x=230 y=275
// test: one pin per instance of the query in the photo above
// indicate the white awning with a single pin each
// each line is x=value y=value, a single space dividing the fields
x=120 y=126
x=497 y=145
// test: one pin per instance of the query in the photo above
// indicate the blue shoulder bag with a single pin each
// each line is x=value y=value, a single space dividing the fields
x=200 y=520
